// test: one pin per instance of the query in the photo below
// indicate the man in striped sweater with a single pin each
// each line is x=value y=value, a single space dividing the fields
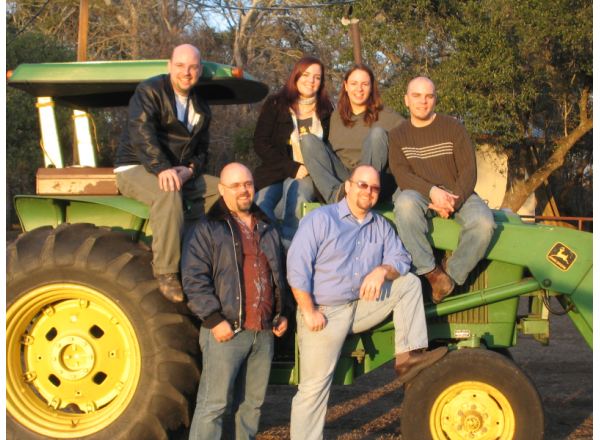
x=433 y=162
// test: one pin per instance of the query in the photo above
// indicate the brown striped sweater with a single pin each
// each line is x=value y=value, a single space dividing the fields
x=440 y=154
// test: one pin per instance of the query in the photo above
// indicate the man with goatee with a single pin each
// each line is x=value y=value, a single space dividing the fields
x=348 y=271
x=233 y=276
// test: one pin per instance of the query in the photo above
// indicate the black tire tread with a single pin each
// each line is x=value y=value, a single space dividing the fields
x=174 y=370
x=84 y=250
x=151 y=429
x=28 y=247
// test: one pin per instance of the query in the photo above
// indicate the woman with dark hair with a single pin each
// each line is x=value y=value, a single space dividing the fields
x=300 y=108
x=358 y=135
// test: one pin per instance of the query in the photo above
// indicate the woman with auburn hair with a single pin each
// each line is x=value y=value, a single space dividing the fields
x=300 y=108
x=358 y=135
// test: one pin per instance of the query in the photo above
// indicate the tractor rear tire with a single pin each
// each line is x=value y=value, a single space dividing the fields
x=93 y=349
x=472 y=393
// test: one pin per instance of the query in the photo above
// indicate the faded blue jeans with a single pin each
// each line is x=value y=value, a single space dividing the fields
x=477 y=227
x=283 y=201
x=326 y=168
x=320 y=350
x=236 y=371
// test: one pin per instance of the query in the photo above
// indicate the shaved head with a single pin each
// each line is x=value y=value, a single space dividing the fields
x=364 y=171
x=420 y=81
x=233 y=170
x=185 y=68
x=362 y=190
x=236 y=186
x=420 y=99
x=187 y=50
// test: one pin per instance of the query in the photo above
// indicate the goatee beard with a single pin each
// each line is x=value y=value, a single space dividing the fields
x=244 y=206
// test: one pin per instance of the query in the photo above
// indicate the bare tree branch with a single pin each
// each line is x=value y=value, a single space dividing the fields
x=522 y=189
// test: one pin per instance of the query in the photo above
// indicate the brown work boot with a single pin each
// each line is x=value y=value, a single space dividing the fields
x=409 y=364
x=170 y=286
x=441 y=284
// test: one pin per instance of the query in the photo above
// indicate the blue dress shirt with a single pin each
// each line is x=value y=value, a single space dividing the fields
x=332 y=252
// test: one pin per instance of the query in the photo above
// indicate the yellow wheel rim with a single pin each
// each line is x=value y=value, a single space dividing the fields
x=472 y=410
x=73 y=360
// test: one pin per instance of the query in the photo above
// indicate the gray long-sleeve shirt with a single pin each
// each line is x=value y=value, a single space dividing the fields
x=347 y=141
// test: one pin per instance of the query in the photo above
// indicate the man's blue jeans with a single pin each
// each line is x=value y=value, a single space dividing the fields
x=320 y=350
x=477 y=227
x=327 y=170
x=236 y=371
x=283 y=201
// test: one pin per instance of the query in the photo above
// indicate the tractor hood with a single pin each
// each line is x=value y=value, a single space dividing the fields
x=111 y=83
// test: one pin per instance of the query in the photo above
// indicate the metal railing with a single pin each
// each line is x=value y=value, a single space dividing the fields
x=554 y=219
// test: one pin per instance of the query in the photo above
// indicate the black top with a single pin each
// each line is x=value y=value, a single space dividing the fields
x=272 y=143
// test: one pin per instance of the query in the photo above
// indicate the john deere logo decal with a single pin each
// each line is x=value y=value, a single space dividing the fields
x=561 y=256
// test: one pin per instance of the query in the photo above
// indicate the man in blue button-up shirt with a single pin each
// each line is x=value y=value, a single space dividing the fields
x=348 y=271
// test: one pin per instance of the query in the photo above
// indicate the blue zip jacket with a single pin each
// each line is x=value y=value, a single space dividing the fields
x=212 y=268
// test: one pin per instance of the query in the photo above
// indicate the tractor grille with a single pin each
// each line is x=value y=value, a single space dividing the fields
x=477 y=280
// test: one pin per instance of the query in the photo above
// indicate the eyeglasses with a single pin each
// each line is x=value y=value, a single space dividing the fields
x=239 y=185
x=365 y=186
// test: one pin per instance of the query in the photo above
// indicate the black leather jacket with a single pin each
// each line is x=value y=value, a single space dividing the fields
x=155 y=138
x=212 y=268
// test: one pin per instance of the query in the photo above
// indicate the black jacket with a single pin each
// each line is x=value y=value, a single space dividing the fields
x=155 y=138
x=212 y=269
x=272 y=144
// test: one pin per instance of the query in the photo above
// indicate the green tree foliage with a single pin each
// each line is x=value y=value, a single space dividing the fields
x=519 y=74
x=23 y=152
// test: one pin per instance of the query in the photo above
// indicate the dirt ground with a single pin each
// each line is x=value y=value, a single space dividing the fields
x=372 y=406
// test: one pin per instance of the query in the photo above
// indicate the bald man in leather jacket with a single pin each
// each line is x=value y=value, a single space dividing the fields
x=161 y=160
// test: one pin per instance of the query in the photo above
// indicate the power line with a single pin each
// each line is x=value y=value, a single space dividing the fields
x=269 y=8
x=28 y=23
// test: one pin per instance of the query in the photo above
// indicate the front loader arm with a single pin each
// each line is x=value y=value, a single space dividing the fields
x=560 y=259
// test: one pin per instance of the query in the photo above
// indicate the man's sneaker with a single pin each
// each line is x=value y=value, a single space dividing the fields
x=441 y=284
x=409 y=364
x=170 y=286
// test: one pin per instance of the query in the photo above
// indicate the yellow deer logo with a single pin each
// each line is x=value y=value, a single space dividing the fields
x=561 y=256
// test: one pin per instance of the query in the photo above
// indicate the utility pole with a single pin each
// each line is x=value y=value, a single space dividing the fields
x=354 y=34
x=83 y=148
x=83 y=30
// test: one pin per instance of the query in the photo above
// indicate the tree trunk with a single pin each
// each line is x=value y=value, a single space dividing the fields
x=134 y=31
x=246 y=27
x=241 y=36
x=521 y=189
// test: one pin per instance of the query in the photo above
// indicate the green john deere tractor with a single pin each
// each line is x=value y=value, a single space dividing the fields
x=95 y=352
